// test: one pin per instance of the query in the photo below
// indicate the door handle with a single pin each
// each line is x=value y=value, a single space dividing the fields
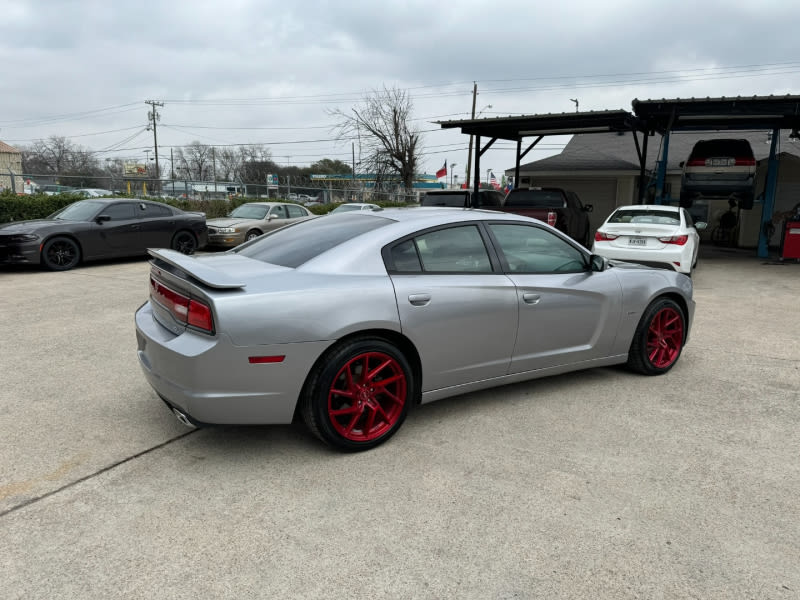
x=530 y=298
x=134 y=226
x=419 y=299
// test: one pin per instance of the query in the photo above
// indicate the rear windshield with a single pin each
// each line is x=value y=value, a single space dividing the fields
x=718 y=148
x=656 y=217
x=296 y=244
x=445 y=199
x=536 y=198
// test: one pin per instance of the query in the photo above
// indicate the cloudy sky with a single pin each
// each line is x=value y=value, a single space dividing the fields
x=258 y=71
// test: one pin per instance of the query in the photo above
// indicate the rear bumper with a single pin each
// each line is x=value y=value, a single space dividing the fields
x=212 y=381
x=664 y=259
x=709 y=185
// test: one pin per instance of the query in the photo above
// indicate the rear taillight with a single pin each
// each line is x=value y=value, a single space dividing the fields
x=696 y=162
x=551 y=218
x=678 y=240
x=184 y=309
x=745 y=162
x=604 y=237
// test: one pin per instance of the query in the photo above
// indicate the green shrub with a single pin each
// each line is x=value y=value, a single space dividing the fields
x=37 y=206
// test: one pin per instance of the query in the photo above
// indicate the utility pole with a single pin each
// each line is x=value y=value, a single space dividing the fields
x=153 y=116
x=214 y=167
x=474 y=100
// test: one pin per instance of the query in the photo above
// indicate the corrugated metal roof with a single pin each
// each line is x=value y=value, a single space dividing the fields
x=614 y=152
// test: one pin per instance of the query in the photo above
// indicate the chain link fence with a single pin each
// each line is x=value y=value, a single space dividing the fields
x=300 y=192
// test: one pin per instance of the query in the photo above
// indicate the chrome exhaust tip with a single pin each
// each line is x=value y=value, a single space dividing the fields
x=183 y=419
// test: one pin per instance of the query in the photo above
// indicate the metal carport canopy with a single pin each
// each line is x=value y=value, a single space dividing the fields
x=714 y=114
x=515 y=128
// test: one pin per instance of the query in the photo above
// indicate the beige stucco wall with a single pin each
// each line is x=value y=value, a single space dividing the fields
x=11 y=162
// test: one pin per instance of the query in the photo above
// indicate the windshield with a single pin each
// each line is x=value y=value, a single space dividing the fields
x=293 y=245
x=79 y=211
x=250 y=211
x=657 y=217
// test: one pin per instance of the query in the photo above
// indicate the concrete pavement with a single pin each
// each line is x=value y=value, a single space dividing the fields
x=601 y=484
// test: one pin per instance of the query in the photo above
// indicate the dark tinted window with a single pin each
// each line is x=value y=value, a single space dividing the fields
x=529 y=249
x=717 y=148
x=453 y=250
x=405 y=258
x=121 y=211
x=536 y=198
x=154 y=210
x=490 y=198
x=295 y=244
x=458 y=199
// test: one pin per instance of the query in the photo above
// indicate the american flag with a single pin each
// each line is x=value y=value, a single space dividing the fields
x=493 y=181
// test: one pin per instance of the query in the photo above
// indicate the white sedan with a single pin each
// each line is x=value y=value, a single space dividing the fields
x=654 y=235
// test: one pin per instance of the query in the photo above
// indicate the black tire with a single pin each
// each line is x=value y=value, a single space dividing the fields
x=184 y=241
x=363 y=409
x=251 y=235
x=61 y=254
x=658 y=341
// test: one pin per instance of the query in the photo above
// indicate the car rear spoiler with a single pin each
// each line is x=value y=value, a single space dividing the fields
x=205 y=274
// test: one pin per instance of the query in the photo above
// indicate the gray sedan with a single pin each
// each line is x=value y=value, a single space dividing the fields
x=250 y=220
x=349 y=320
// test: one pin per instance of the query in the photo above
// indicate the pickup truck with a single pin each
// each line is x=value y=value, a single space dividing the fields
x=557 y=207
x=462 y=198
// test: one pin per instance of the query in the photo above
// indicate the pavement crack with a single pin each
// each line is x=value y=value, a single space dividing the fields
x=105 y=469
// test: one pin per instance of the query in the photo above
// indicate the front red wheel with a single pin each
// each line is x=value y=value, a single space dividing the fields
x=359 y=394
x=659 y=338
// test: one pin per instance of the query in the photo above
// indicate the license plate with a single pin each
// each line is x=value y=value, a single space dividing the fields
x=719 y=162
x=637 y=241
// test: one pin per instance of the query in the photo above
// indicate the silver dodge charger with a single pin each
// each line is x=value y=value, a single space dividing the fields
x=349 y=320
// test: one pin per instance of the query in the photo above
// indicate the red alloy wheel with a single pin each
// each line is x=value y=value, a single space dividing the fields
x=367 y=397
x=665 y=338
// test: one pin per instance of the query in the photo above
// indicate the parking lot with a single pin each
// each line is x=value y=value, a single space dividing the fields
x=598 y=484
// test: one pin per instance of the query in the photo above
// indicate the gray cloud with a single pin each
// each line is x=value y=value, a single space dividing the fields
x=271 y=64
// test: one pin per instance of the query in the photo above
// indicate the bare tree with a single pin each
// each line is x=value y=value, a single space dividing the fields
x=58 y=156
x=383 y=125
x=193 y=162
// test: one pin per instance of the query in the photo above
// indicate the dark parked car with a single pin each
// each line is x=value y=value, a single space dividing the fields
x=723 y=168
x=101 y=228
x=462 y=198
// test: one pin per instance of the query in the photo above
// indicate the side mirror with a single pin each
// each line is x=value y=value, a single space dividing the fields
x=598 y=263
x=588 y=207
x=102 y=218
x=680 y=164
x=700 y=225
x=271 y=217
